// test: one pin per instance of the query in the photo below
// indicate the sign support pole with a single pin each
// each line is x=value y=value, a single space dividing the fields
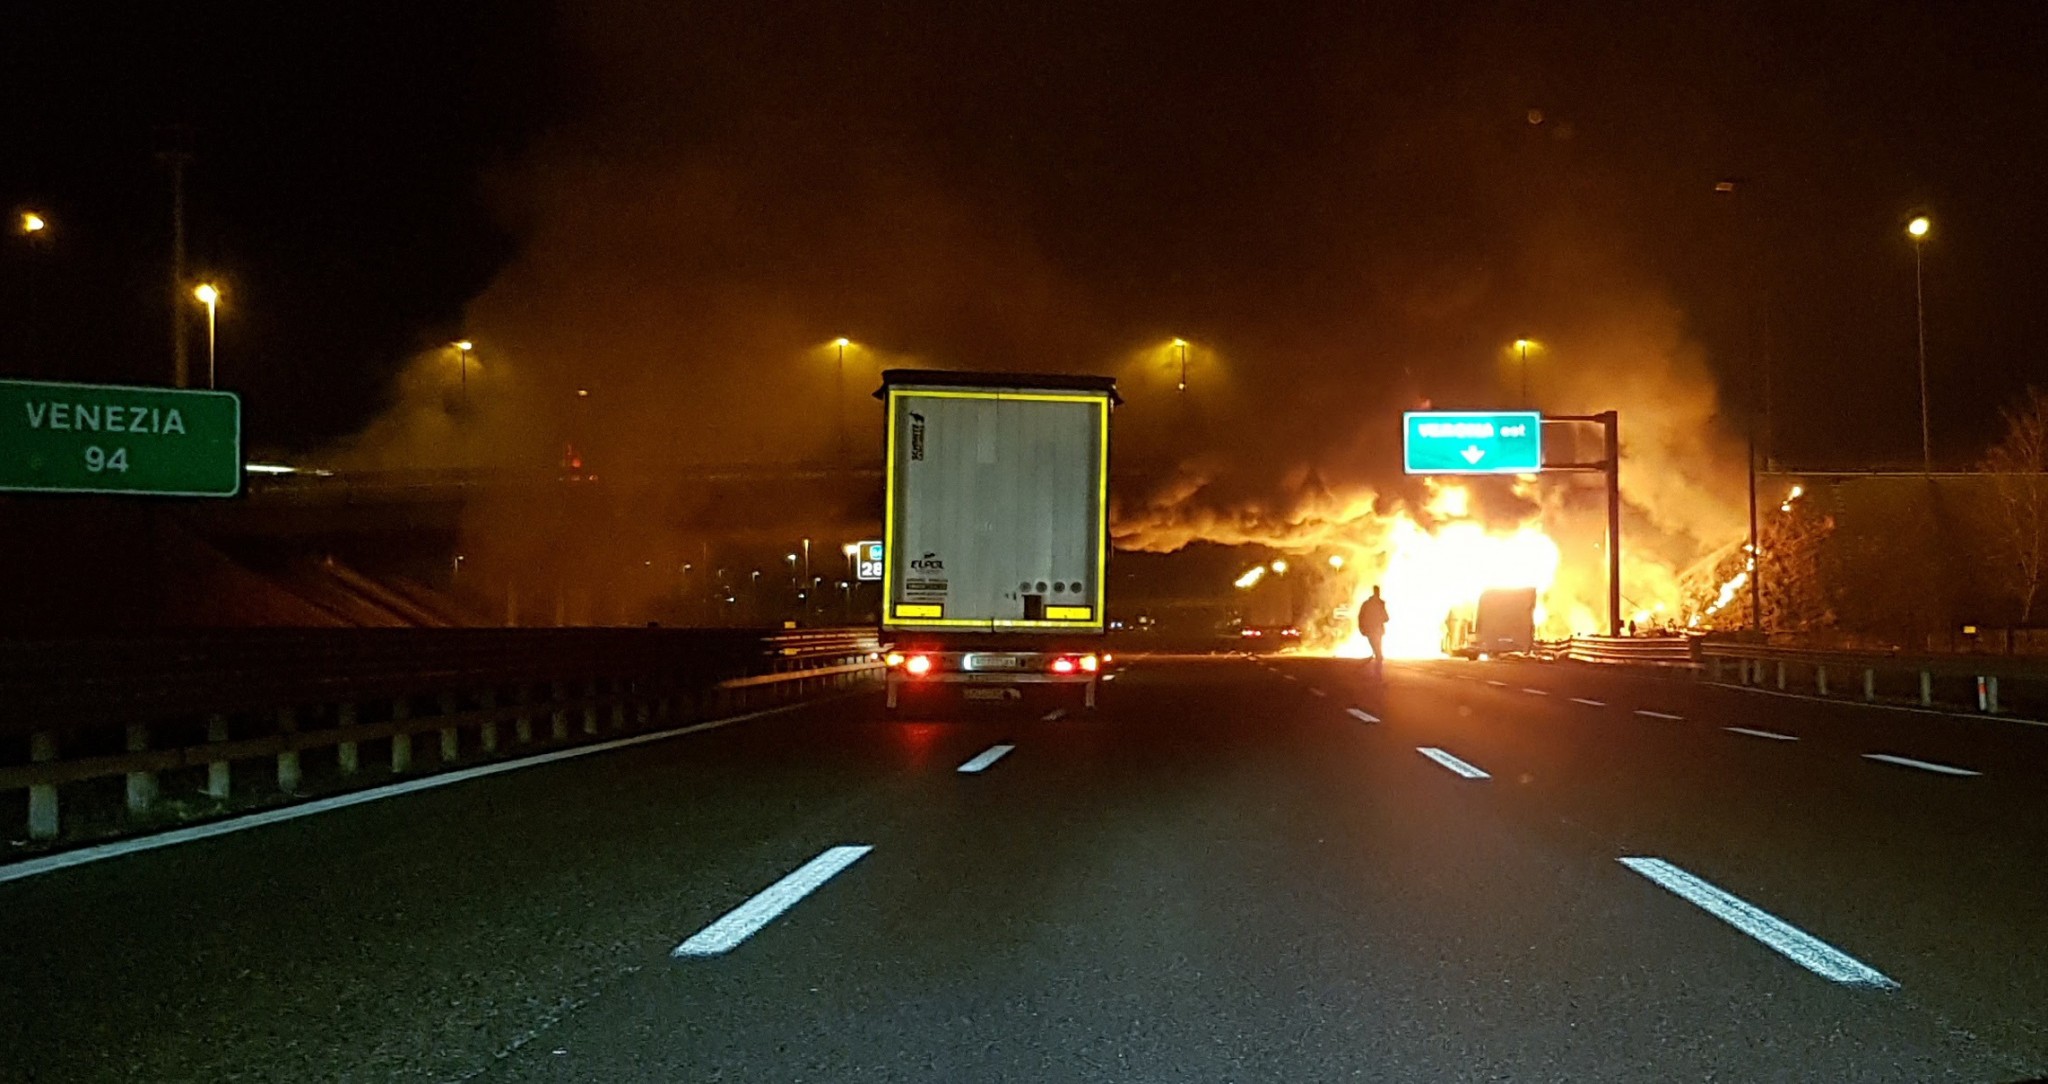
x=1611 y=421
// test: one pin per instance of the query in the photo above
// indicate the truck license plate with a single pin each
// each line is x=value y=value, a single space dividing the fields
x=992 y=662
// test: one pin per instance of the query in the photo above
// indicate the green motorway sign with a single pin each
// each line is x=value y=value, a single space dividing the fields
x=1472 y=442
x=103 y=438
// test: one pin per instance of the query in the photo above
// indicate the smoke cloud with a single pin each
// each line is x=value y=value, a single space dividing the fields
x=1342 y=222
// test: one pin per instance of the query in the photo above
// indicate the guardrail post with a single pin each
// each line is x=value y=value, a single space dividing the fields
x=451 y=744
x=487 y=734
x=590 y=707
x=219 y=773
x=522 y=724
x=401 y=744
x=1781 y=673
x=1870 y=683
x=141 y=785
x=619 y=688
x=1715 y=661
x=1987 y=693
x=42 y=797
x=347 y=757
x=560 y=692
x=1926 y=689
x=288 y=759
x=1820 y=677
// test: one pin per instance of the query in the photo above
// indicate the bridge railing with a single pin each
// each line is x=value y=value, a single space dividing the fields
x=136 y=731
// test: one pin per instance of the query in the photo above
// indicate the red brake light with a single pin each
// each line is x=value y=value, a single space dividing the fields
x=1063 y=666
x=918 y=665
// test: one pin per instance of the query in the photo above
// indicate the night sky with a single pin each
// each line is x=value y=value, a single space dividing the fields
x=1340 y=203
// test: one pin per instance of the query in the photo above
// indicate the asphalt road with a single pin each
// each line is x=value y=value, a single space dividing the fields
x=1225 y=874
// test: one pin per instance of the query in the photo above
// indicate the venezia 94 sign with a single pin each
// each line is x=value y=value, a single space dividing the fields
x=100 y=438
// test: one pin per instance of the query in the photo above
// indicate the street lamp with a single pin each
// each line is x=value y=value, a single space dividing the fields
x=209 y=295
x=839 y=397
x=463 y=347
x=1917 y=230
x=1523 y=345
x=33 y=223
x=1182 y=344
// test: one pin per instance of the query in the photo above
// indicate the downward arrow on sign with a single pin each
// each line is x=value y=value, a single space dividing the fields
x=1473 y=454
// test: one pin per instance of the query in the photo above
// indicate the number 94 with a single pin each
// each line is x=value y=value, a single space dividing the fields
x=98 y=459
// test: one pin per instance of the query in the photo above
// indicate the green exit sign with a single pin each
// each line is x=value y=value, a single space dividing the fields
x=1472 y=442
x=104 y=438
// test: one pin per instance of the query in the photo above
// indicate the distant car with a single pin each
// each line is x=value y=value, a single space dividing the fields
x=1269 y=637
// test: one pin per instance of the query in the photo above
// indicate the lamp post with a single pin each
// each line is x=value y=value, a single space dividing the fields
x=463 y=347
x=1917 y=230
x=1182 y=345
x=1523 y=346
x=839 y=397
x=209 y=295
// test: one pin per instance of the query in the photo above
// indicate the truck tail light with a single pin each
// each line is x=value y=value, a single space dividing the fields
x=1090 y=663
x=918 y=665
x=895 y=659
x=1063 y=666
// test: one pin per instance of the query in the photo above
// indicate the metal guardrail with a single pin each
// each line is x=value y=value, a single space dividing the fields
x=1990 y=684
x=191 y=707
x=1668 y=651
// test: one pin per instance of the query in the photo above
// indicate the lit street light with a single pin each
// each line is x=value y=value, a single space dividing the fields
x=1917 y=230
x=463 y=348
x=839 y=397
x=33 y=223
x=209 y=296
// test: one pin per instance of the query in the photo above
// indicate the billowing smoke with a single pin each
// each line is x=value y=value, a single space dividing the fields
x=1342 y=225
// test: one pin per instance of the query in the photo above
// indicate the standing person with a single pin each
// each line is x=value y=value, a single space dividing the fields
x=1372 y=624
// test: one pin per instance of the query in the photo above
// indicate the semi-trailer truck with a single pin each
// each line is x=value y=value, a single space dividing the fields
x=995 y=532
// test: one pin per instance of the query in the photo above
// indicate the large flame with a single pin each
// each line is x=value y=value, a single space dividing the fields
x=1428 y=573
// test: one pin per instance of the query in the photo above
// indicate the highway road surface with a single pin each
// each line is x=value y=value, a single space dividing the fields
x=1235 y=870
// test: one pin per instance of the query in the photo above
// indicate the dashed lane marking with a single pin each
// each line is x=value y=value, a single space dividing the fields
x=985 y=758
x=1659 y=715
x=1923 y=765
x=1318 y=692
x=1535 y=692
x=1054 y=715
x=1780 y=936
x=1771 y=734
x=1362 y=715
x=747 y=919
x=1589 y=703
x=1451 y=762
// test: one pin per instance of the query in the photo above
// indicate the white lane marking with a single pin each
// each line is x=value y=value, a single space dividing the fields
x=1054 y=715
x=1771 y=734
x=51 y=863
x=1497 y=684
x=1782 y=937
x=1362 y=716
x=1659 y=715
x=1109 y=677
x=1451 y=762
x=1318 y=692
x=985 y=758
x=747 y=919
x=1290 y=677
x=1589 y=703
x=1925 y=766
x=1534 y=692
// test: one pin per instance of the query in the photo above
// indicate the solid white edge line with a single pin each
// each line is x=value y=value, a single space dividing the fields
x=986 y=757
x=1907 y=708
x=1451 y=762
x=1362 y=716
x=1925 y=766
x=747 y=919
x=1782 y=937
x=1589 y=703
x=1771 y=734
x=1659 y=715
x=31 y=867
